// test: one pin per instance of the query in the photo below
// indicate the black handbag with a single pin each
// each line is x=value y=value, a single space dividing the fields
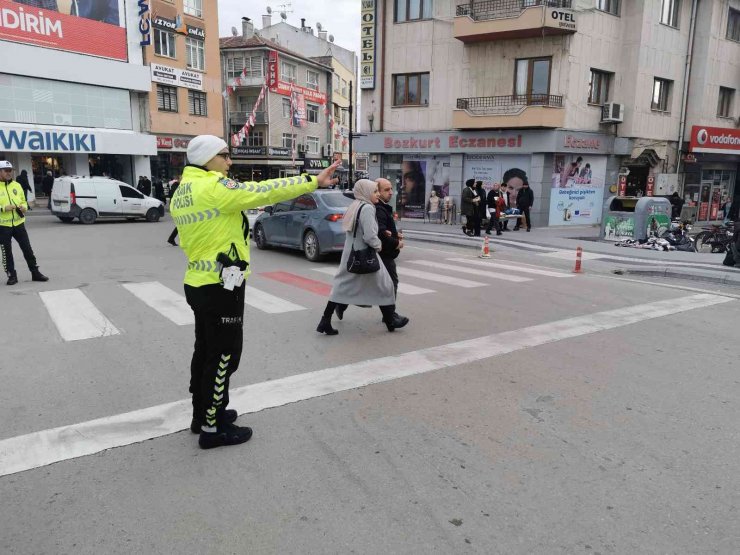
x=363 y=261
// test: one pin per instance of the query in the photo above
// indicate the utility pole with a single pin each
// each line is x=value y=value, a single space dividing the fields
x=351 y=117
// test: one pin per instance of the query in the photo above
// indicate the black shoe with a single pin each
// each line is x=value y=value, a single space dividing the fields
x=325 y=326
x=488 y=232
x=12 y=280
x=498 y=233
x=529 y=229
x=396 y=322
x=339 y=310
x=517 y=228
x=225 y=434
x=38 y=276
x=229 y=417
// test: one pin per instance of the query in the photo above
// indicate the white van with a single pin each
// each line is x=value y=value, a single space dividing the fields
x=90 y=198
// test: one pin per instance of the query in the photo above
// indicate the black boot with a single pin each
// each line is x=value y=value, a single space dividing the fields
x=38 y=276
x=12 y=279
x=396 y=322
x=229 y=417
x=325 y=326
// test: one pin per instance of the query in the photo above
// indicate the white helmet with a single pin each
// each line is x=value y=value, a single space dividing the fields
x=5 y=165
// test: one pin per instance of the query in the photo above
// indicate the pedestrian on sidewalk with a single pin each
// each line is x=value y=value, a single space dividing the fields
x=13 y=206
x=481 y=194
x=47 y=184
x=524 y=202
x=208 y=211
x=374 y=289
x=495 y=203
x=22 y=180
x=469 y=209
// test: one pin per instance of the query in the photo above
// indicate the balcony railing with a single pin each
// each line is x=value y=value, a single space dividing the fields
x=507 y=105
x=240 y=118
x=482 y=10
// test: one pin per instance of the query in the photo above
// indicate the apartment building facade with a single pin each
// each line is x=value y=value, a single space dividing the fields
x=72 y=106
x=184 y=99
x=583 y=97
x=289 y=95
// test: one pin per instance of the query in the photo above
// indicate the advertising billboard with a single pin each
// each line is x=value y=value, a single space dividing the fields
x=419 y=176
x=577 y=192
x=715 y=140
x=90 y=27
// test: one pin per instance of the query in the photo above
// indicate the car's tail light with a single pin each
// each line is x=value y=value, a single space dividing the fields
x=72 y=195
x=334 y=217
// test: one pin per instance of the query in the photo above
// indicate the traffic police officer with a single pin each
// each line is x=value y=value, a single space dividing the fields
x=207 y=209
x=13 y=207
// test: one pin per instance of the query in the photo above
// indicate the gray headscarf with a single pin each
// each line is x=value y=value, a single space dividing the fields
x=363 y=190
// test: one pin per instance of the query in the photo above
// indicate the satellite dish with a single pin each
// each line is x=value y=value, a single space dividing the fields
x=269 y=10
x=319 y=26
x=234 y=32
x=283 y=15
x=331 y=38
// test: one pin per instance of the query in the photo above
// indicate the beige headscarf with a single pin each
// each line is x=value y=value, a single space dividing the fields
x=363 y=190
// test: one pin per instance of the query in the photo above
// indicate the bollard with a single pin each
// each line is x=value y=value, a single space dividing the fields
x=579 y=255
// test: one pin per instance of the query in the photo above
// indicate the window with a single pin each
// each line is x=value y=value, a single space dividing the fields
x=345 y=90
x=282 y=206
x=669 y=12
x=661 y=95
x=312 y=145
x=289 y=141
x=164 y=43
x=532 y=80
x=196 y=55
x=336 y=82
x=411 y=89
x=287 y=72
x=286 y=108
x=245 y=103
x=254 y=66
x=312 y=79
x=256 y=138
x=312 y=113
x=724 y=107
x=609 y=6
x=733 y=25
x=197 y=103
x=193 y=7
x=598 y=87
x=305 y=202
x=412 y=10
x=166 y=98
x=129 y=192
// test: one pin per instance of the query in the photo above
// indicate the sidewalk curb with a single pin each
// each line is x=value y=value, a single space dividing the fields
x=725 y=278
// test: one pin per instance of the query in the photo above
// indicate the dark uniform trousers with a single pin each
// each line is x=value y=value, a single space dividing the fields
x=20 y=234
x=390 y=265
x=219 y=316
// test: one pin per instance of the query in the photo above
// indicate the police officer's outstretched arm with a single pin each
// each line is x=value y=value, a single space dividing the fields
x=231 y=195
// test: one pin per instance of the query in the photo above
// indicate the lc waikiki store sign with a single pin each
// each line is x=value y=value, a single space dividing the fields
x=71 y=33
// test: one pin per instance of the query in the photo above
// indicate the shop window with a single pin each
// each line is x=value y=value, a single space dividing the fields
x=598 y=87
x=288 y=72
x=412 y=10
x=286 y=108
x=312 y=145
x=197 y=103
x=193 y=7
x=256 y=138
x=312 y=79
x=411 y=89
x=288 y=141
x=312 y=113
x=532 y=80
x=661 y=95
x=195 y=54
x=724 y=106
x=669 y=12
x=733 y=25
x=166 y=98
x=609 y=6
x=164 y=43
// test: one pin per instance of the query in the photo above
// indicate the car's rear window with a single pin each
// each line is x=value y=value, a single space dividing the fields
x=336 y=200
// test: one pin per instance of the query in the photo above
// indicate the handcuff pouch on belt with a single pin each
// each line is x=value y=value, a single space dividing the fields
x=231 y=269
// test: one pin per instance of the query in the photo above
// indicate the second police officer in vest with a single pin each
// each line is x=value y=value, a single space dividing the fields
x=207 y=209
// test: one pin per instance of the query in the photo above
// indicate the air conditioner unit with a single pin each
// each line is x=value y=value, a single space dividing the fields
x=328 y=150
x=611 y=112
x=301 y=148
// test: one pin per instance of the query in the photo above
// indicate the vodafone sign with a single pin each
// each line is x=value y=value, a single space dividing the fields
x=715 y=140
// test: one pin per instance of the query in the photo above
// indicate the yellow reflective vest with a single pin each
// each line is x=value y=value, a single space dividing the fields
x=207 y=209
x=12 y=193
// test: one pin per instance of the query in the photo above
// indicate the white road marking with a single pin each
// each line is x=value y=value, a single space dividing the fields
x=458 y=282
x=164 y=300
x=514 y=267
x=471 y=271
x=268 y=303
x=404 y=288
x=38 y=449
x=75 y=316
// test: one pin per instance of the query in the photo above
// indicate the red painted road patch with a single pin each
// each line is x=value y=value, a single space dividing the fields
x=318 y=287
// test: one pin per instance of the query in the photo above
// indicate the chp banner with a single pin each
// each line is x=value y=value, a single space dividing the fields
x=577 y=192
x=84 y=27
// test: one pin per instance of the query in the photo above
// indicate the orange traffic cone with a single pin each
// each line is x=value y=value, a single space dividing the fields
x=485 y=251
x=579 y=255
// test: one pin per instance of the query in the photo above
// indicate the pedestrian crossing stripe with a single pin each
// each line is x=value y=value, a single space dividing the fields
x=513 y=267
x=472 y=271
x=403 y=288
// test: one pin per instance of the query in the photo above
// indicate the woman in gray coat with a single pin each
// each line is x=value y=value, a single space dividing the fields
x=375 y=289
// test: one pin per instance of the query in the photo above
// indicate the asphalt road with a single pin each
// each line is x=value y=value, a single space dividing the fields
x=523 y=412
